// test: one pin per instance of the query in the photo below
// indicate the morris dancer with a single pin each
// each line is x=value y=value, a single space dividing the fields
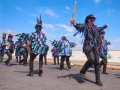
x=21 y=50
x=103 y=53
x=90 y=46
x=37 y=46
x=12 y=45
x=3 y=46
x=55 y=55
x=64 y=50
x=8 y=49
x=17 y=53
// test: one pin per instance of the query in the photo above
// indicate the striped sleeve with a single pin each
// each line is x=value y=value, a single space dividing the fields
x=72 y=45
x=25 y=36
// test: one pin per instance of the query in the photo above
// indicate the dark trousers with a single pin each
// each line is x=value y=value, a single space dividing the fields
x=45 y=58
x=17 y=57
x=67 y=61
x=24 y=60
x=92 y=57
x=32 y=57
x=11 y=51
x=55 y=56
x=104 y=62
x=9 y=57
x=2 y=54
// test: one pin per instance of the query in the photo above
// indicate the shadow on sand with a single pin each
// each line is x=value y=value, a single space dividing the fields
x=77 y=78
x=34 y=71
x=118 y=75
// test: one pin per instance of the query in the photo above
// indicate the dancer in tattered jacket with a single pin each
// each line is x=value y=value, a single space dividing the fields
x=37 y=41
x=92 y=41
x=64 y=50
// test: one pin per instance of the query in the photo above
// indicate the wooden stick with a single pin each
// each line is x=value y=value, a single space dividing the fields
x=74 y=10
x=78 y=40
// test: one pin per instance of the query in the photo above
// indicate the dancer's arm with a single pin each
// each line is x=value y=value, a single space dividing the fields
x=101 y=28
x=23 y=35
x=51 y=40
x=79 y=27
x=108 y=43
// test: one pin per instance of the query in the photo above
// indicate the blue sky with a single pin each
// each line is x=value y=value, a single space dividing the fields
x=18 y=16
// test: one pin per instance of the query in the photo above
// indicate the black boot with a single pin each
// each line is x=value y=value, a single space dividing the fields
x=82 y=75
x=99 y=83
x=31 y=68
x=20 y=62
x=40 y=68
x=40 y=73
x=97 y=74
x=61 y=66
x=68 y=64
x=30 y=73
x=6 y=62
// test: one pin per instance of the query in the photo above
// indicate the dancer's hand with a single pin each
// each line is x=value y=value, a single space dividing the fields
x=72 y=21
x=111 y=43
x=107 y=25
x=76 y=43
x=13 y=34
x=51 y=40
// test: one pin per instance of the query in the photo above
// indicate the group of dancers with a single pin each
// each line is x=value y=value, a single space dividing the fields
x=94 y=47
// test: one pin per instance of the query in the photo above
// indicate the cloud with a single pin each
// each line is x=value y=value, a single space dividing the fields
x=48 y=33
x=68 y=8
x=67 y=28
x=50 y=12
x=108 y=2
x=115 y=44
x=110 y=11
x=48 y=25
x=34 y=15
x=32 y=22
x=19 y=8
x=97 y=1
x=8 y=31
x=68 y=34
x=116 y=40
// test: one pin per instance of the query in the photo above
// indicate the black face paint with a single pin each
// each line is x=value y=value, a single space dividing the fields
x=92 y=21
x=38 y=28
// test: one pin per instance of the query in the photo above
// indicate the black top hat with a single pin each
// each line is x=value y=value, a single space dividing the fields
x=89 y=17
x=10 y=35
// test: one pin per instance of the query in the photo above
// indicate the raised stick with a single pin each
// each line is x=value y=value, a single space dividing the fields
x=74 y=10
